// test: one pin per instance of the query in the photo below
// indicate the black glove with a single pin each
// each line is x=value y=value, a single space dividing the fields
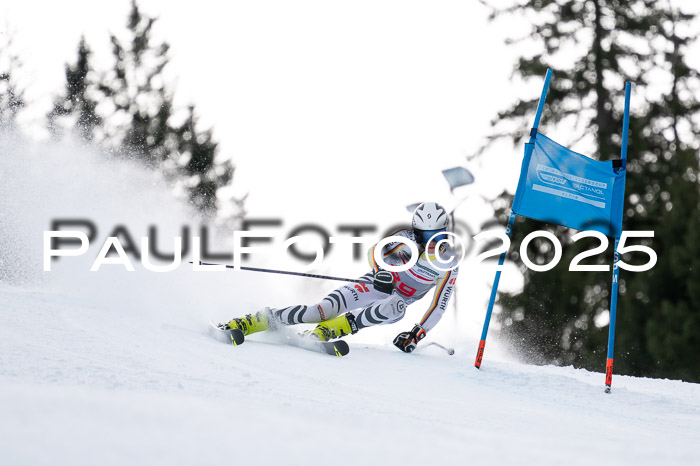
x=384 y=281
x=407 y=341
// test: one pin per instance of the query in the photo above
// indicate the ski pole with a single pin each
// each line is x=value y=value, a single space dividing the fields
x=286 y=272
x=450 y=351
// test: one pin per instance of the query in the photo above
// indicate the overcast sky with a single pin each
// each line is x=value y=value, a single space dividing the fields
x=337 y=103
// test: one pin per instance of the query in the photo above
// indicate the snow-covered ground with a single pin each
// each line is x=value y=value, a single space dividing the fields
x=79 y=385
x=118 y=367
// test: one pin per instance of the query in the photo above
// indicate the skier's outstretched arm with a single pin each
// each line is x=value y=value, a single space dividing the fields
x=441 y=298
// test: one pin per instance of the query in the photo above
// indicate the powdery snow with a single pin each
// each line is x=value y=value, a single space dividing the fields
x=79 y=385
x=119 y=368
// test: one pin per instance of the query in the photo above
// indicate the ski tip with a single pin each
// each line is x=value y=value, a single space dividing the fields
x=237 y=338
x=335 y=348
x=341 y=348
x=233 y=336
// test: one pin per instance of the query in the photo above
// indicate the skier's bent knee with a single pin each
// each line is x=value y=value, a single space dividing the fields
x=387 y=311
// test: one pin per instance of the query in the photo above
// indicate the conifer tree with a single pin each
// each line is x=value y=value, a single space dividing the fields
x=76 y=104
x=199 y=166
x=11 y=95
x=561 y=316
x=143 y=122
x=135 y=87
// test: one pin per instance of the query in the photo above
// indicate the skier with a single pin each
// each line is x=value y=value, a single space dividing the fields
x=381 y=297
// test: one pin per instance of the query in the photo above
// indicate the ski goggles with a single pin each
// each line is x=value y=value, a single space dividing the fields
x=423 y=236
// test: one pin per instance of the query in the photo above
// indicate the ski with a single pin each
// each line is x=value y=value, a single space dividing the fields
x=233 y=336
x=334 y=348
x=236 y=337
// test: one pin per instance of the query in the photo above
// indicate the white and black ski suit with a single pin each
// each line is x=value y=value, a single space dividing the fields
x=372 y=307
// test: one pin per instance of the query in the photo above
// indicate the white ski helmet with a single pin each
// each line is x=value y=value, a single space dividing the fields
x=428 y=219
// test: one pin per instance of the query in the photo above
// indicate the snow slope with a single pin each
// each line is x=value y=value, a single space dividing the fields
x=118 y=368
x=79 y=385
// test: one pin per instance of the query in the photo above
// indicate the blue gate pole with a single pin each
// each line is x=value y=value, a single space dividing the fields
x=509 y=229
x=613 y=312
x=492 y=299
x=616 y=256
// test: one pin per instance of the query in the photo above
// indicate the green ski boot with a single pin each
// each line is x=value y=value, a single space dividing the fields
x=337 y=327
x=252 y=323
